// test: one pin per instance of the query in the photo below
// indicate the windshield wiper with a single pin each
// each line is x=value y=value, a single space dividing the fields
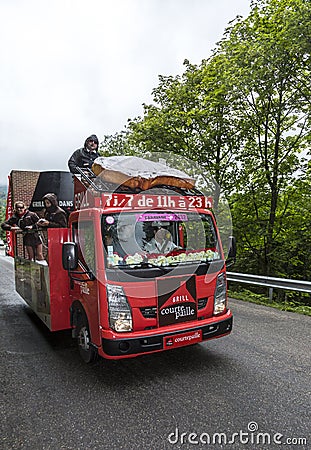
x=146 y=264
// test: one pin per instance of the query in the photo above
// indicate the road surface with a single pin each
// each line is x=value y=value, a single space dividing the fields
x=250 y=390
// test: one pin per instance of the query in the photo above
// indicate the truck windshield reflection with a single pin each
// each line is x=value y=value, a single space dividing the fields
x=158 y=239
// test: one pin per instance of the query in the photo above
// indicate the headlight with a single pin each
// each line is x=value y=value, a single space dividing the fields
x=220 y=296
x=120 y=315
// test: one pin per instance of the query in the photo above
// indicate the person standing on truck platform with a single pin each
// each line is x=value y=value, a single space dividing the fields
x=54 y=216
x=85 y=156
x=26 y=221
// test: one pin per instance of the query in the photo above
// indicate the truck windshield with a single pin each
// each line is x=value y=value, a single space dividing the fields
x=158 y=239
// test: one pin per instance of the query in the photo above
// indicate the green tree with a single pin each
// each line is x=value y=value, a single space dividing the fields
x=295 y=235
x=117 y=144
x=192 y=115
x=269 y=57
x=3 y=197
x=244 y=116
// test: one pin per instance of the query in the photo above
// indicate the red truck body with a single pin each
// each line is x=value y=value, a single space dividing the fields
x=141 y=304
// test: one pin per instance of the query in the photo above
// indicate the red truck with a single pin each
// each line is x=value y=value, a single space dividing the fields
x=120 y=296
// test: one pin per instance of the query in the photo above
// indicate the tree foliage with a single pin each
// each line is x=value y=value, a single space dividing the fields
x=193 y=116
x=269 y=53
x=244 y=115
x=3 y=198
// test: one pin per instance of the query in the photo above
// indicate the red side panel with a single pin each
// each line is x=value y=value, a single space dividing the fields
x=59 y=280
x=85 y=198
x=9 y=212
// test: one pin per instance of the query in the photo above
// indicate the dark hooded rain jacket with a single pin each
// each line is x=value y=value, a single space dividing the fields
x=54 y=214
x=29 y=220
x=82 y=157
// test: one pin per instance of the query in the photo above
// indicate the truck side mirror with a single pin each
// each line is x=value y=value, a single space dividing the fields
x=231 y=252
x=70 y=256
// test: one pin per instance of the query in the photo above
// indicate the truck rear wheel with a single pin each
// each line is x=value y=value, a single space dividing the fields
x=86 y=349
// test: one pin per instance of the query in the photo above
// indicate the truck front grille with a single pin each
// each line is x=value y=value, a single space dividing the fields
x=202 y=302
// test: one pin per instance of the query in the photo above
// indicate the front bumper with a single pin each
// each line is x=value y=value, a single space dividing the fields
x=118 y=348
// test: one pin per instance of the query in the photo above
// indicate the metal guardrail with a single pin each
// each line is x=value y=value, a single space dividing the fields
x=270 y=282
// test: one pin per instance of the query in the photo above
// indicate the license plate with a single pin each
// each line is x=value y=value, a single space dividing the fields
x=179 y=340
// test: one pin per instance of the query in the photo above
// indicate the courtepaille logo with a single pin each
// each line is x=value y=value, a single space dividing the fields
x=177 y=301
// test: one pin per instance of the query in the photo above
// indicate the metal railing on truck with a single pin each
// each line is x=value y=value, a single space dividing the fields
x=270 y=282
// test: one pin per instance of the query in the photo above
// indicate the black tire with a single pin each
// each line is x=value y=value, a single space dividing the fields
x=86 y=349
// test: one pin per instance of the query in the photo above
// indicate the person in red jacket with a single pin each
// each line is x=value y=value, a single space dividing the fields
x=26 y=221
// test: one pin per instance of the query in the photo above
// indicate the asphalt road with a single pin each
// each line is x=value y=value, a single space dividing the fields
x=252 y=386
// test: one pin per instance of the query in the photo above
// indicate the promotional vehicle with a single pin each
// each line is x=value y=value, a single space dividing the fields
x=135 y=272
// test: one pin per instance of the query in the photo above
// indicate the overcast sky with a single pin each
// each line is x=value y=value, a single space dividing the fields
x=71 y=68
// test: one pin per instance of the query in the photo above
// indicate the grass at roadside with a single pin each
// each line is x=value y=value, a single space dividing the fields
x=260 y=299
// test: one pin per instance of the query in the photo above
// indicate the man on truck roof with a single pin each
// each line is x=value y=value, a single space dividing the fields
x=85 y=156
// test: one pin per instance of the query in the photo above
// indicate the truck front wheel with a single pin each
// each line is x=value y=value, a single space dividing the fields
x=86 y=349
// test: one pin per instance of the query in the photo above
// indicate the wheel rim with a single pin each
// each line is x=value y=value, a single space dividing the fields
x=84 y=339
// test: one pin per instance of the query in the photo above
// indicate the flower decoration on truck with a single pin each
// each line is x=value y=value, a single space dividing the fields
x=133 y=260
x=114 y=260
x=163 y=260
x=184 y=257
